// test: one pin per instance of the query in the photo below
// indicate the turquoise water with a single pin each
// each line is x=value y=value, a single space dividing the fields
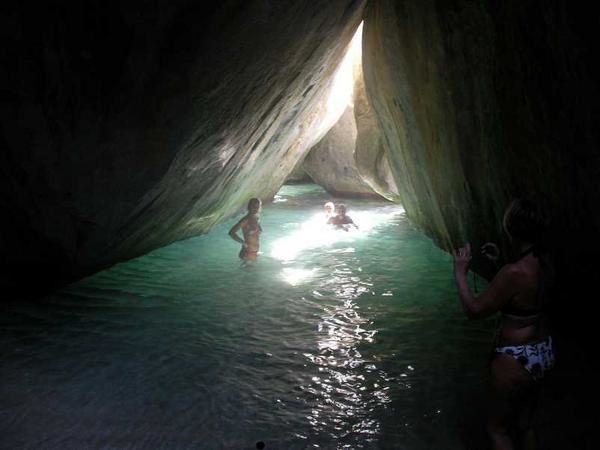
x=330 y=340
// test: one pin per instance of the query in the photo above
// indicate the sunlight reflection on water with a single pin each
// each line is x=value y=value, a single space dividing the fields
x=316 y=233
x=342 y=387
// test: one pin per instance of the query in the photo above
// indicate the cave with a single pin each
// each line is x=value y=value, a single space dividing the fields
x=131 y=126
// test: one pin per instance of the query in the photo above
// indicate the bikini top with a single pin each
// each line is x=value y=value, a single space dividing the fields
x=251 y=228
x=513 y=310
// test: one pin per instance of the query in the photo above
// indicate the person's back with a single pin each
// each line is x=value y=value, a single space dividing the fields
x=520 y=292
x=523 y=317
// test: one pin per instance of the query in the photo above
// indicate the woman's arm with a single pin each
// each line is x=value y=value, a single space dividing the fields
x=500 y=290
x=234 y=230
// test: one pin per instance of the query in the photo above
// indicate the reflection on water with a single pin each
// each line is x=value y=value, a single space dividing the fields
x=332 y=339
x=314 y=233
x=340 y=389
x=348 y=388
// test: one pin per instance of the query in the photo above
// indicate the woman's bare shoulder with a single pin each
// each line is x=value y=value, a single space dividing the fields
x=520 y=274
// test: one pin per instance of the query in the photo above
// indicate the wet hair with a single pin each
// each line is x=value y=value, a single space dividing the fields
x=329 y=205
x=524 y=220
x=340 y=206
x=254 y=201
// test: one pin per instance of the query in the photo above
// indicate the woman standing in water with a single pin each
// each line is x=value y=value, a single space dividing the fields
x=523 y=350
x=251 y=230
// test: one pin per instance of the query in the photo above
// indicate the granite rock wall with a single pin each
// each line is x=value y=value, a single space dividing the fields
x=482 y=101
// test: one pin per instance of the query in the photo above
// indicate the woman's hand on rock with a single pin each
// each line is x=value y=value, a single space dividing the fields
x=462 y=257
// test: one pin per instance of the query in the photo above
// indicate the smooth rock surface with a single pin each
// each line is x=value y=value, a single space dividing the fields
x=331 y=163
x=370 y=153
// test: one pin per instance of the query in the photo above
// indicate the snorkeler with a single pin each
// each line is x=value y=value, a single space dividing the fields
x=251 y=230
x=341 y=220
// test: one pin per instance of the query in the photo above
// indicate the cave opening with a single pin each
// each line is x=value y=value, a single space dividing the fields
x=334 y=149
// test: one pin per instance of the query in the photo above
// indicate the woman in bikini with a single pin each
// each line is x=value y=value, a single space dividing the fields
x=523 y=349
x=251 y=230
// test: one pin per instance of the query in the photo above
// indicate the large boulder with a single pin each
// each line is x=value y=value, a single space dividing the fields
x=350 y=161
x=298 y=175
x=331 y=163
x=370 y=153
x=480 y=102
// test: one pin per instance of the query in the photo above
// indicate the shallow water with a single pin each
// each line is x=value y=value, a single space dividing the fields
x=330 y=340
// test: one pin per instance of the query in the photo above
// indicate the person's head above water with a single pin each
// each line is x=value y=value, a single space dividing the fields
x=254 y=205
x=524 y=220
x=341 y=209
x=329 y=207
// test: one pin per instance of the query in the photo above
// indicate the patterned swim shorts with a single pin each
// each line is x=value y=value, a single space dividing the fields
x=536 y=358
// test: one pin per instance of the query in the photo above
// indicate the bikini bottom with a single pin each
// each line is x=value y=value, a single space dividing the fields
x=537 y=358
x=248 y=254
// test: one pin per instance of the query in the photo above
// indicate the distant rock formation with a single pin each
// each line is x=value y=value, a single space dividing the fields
x=331 y=162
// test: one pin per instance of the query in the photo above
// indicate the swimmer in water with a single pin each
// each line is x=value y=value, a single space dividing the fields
x=329 y=209
x=251 y=230
x=341 y=220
